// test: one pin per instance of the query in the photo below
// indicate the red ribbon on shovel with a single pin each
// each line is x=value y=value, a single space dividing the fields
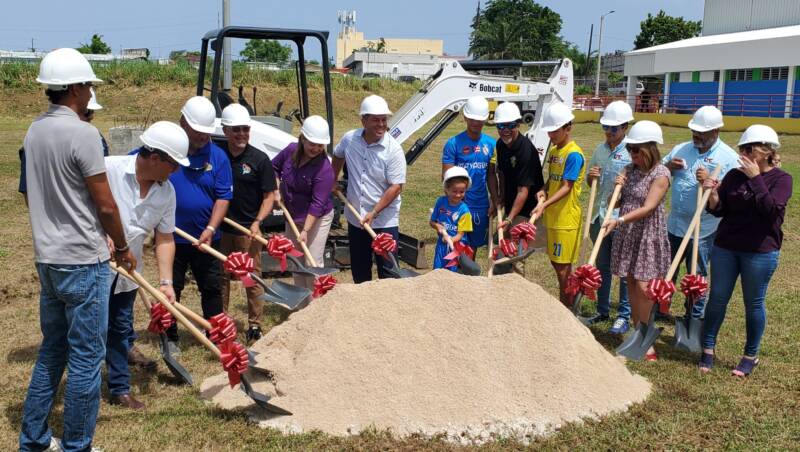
x=279 y=246
x=694 y=286
x=586 y=279
x=240 y=264
x=322 y=285
x=383 y=244
x=508 y=247
x=223 y=329
x=160 y=319
x=233 y=357
x=525 y=232
x=458 y=249
x=660 y=291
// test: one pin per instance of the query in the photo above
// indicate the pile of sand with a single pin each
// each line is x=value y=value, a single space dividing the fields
x=473 y=358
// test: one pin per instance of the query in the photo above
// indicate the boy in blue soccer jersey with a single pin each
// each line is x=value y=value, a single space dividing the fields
x=451 y=215
x=474 y=151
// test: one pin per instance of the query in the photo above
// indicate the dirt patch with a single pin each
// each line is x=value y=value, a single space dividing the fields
x=472 y=358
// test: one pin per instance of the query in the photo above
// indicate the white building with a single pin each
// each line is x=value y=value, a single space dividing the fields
x=392 y=65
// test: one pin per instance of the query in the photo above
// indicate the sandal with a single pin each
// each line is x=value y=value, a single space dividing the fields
x=706 y=362
x=745 y=367
x=651 y=357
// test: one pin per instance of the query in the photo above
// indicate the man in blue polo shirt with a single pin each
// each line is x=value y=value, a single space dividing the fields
x=203 y=191
x=473 y=150
x=690 y=163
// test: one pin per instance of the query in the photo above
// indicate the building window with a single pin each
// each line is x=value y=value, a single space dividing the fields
x=741 y=74
x=716 y=76
x=775 y=73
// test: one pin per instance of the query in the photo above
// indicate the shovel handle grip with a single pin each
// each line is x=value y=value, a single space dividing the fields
x=694 y=223
x=138 y=279
x=202 y=246
x=303 y=246
x=356 y=213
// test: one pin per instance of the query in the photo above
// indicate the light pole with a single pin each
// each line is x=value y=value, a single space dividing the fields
x=599 y=51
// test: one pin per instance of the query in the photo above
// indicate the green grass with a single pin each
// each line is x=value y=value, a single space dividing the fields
x=685 y=411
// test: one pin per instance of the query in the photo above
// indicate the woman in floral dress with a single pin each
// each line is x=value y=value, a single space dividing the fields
x=641 y=249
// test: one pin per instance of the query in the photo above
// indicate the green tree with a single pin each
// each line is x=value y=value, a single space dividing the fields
x=96 y=46
x=266 y=50
x=381 y=47
x=614 y=78
x=521 y=29
x=580 y=65
x=661 y=29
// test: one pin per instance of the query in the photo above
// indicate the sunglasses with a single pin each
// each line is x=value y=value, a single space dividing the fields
x=613 y=129
x=633 y=149
x=163 y=156
x=507 y=125
x=238 y=129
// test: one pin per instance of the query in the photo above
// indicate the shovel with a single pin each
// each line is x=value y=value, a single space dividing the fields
x=522 y=253
x=289 y=296
x=393 y=268
x=641 y=339
x=687 y=331
x=299 y=266
x=576 y=303
x=261 y=400
x=502 y=264
x=588 y=220
x=173 y=365
x=466 y=266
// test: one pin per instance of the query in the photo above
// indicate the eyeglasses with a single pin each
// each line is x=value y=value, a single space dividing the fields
x=633 y=149
x=237 y=129
x=507 y=125
x=163 y=156
x=612 y=129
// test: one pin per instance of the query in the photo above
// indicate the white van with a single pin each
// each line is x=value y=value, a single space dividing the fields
x=622 y=89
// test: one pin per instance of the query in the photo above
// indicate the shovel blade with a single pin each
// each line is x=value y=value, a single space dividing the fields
x=687 y=334
x=576 y=306
x=501 y=269
x=260 y=399
x=393 y=268
x=467 y=266
x=289 y=296
x=173 y=365
x=639 y=341
x=299 y=268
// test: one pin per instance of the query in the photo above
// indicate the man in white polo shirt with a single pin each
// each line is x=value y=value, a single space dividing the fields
x=376 y=172
x=146 y=201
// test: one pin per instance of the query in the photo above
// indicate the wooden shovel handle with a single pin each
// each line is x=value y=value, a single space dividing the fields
x=138 y=279
x=588 y=220
x=500 y=216
x=145 y=300
x=244 y=230
x=204 y=247
x=195 y=317
x=296 y=231
x=602 y=234
x=696 y=241
x=694 y=223
x=355 y=212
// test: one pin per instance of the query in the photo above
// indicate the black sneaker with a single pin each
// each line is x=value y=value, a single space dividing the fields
x=597 y=318
x=253 y=334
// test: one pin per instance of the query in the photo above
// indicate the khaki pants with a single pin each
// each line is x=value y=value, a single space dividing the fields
x=317 y=236
x=255 y=307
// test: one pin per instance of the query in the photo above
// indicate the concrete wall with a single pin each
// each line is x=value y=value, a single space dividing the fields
x=345 y=44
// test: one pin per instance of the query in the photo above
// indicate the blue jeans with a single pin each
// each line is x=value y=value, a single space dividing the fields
x=73 y=316
x=120 y=333
x=604 y=265
x=361 y=253
x=703 y=256
x=756 y=270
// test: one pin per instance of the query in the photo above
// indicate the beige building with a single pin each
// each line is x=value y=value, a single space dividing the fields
x=349 y=41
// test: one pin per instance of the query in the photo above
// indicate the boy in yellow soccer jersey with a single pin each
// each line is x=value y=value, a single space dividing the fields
x=559 y=198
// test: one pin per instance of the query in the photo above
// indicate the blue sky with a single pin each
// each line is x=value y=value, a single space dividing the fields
x=168 y=25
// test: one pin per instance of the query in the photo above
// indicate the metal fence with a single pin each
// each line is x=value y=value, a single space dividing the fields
x=758 y=105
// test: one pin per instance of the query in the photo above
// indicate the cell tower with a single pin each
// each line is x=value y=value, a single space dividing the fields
x=347 y=19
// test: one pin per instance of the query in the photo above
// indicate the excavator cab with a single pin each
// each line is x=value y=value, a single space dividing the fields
x=272 y=132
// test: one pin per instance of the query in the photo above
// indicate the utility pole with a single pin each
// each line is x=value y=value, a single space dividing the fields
x=599 y=51
x=33 y=49
x=587 y=71
x=227 y=77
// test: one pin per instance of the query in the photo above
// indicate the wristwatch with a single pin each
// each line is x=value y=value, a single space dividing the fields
x=165 y=282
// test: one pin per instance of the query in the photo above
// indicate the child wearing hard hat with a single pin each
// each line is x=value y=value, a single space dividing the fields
x=451 y=215
x=559 y=199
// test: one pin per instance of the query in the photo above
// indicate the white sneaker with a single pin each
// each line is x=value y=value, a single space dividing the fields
x=55 y=445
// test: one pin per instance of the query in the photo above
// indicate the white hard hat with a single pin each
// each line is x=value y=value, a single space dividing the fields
x=235 y=115
x=759 y=133
x=170 y=138
x=93 y=105
x=199 y=112
x=63 y=67
x=374 y=105
x=616 y=113
x=644 y=132
x=556 y=117
x=477 y=107
x=506 y=112
x=454 y=172
x=706 y=118
x=315 y=129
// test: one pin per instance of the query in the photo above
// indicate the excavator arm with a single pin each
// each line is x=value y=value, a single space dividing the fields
x=449 y=89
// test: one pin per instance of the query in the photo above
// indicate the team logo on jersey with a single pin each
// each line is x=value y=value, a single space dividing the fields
x=476 y=149
x=485 y=149
x=443 y=211
x=466 y=150
x=208 y=167
x=513 y=161
x=246 y=169
x=454 y=216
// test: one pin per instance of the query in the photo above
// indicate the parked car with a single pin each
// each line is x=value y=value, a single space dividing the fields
x=407 y=78
x=370 y=75
x=622 y=89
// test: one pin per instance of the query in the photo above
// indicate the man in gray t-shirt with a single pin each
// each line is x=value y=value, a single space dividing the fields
x=72 y=211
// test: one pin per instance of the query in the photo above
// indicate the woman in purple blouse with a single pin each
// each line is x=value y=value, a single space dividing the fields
x=752 y=202
x=306 y=181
